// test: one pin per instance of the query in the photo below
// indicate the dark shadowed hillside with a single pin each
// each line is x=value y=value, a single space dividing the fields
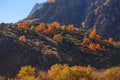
x=20 y=46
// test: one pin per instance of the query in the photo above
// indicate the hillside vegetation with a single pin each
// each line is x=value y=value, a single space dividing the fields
x=43 y=45
x=65 y=72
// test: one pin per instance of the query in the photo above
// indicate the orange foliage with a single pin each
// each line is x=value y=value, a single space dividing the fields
x=40 y=27
x=85 y=40
x=23 y=25
x=98 y=37
x=93 y=33
x=43 y=75
x=92 y=46
x=45 y=31
x=52 y=1
x=70 y=28
x=51 y=29
x=98 y=47
x=56 y=24
x=57 y=38
x=110 y=40
x=22 y=38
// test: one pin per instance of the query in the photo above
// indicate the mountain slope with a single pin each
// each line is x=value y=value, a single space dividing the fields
x=105 y=16
x=36 y=6
x=42 y=51
x=64 y=11
x=102 y=14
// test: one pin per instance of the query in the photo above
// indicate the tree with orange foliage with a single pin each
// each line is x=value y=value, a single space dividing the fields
x=57 y=38
x=110 y=40
x=43 y=75
x=19 y=25
x=93 y=33
x=45 y=31
x=24 y=25
x=70 y=28
x=51 y=1
x=22 y=38
x=97 y=37
x=98 y=47
x=56 y=24
x=41 y=27
x=85 y=40
x=51 y=29
x=92 y=47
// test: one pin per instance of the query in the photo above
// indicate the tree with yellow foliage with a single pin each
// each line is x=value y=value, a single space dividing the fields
x=64 y=72
x=92 y=47
x=26 y=71
x=57 y=38
x=54 y=71
x=63 y=28
x=22 y=38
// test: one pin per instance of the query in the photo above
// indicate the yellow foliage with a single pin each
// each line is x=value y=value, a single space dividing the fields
x=26 y=71
x=112 y=74
x=63 y=28
x=57 y=38
x=22 y=38
x=64 y=72
x=30 y=78
x=2 y=78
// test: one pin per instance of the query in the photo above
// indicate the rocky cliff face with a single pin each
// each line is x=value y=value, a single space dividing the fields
x=36 y=6
x=102 y=14
x=63 y=11
x=105 y=16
